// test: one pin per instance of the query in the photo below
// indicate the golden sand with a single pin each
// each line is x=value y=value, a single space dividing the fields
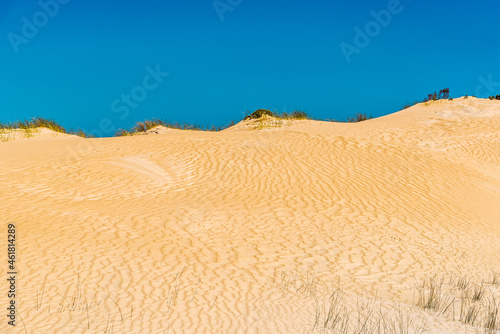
x=251 y=229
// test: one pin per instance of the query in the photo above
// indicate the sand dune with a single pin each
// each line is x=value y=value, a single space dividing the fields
x=250 y=230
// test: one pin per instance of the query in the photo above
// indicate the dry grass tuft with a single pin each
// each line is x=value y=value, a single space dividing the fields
x=492 y=320
x=40 y=122
x=477 y=303
x=430 y=296
x=143 y=127
x=494 y=278
x=358 y=117
x=29 y=127
x=260 y=113
x=81 y=133
x=463 y=283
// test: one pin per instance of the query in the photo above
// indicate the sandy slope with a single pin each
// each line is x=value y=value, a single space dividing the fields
x=248 y=231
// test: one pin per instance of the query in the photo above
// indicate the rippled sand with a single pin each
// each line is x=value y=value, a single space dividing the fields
x=249 y=230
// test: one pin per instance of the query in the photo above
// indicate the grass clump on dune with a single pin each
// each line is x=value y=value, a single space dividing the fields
x=259 y=113
x=262 y=114
x=81 y=133
x=359 y=117
x=455 y=299
x=430 y=296
x=474 y=304
x=444 y=94
x=143 y=127
x=266 y=119
x=31 y=126
x=34 y=123
x=408 y=104
x=294 y=115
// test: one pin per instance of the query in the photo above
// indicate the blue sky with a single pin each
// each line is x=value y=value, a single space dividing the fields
x=77 y=61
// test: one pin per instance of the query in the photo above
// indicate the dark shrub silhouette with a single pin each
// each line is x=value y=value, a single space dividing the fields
x=443 y=94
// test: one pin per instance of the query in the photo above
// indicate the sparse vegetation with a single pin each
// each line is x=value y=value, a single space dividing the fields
x=492 y=322
x=5 y=134
x=477 y=305
x=330 y=309
x=123 y=133
x=444 y=94
x=333 y=313
x=358 y=117
x=430 y=296
x=28 y=127
x=143 y=127
x=267 y=122
x=477 y=292
x=294 y=115
x=149 y=124
x=494 y=278
x=34 y=123
x=469 y=312
x=408 y=105
x=81 y=133
x=259 y=113
x=265 y=119
x=31 y=126
x=463 y=283
x=368 y=317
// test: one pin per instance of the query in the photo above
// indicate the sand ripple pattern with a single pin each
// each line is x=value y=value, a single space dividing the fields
x=190 y=232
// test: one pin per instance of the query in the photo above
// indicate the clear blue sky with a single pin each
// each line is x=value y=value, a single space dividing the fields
x=84 y=57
